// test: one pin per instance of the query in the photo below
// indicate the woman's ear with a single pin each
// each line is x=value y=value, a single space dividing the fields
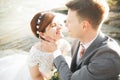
x=41 y=34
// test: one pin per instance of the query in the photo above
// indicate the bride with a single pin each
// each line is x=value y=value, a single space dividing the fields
x=38 y=64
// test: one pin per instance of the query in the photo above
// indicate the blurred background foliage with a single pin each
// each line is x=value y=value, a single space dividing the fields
x=113 y=2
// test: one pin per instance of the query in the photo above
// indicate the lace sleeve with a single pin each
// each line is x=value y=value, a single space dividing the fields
x=34 y=57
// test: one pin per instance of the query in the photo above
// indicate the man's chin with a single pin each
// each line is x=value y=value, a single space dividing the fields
x=61 y=35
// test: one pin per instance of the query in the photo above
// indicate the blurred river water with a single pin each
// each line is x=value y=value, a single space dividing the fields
x=15 y=17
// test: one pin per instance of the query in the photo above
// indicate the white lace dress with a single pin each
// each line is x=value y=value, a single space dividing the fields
x=15 y=67
x=43 y=59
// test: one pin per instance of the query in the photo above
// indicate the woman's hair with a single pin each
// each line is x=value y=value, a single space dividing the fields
x=95 y=11
x=40 y=21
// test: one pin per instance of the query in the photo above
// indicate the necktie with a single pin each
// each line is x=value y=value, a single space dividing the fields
x=80 y=53
x=82 y=49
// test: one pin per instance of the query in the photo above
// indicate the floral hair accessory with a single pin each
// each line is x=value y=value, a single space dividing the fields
x=38 y=22
x=40 y=17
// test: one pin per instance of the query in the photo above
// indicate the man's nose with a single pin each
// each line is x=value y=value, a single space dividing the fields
x=66 y=25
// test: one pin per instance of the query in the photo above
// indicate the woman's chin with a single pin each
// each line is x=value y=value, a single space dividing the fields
x=60 y=37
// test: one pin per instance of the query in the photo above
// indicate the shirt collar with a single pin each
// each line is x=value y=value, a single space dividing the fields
x=89 y=43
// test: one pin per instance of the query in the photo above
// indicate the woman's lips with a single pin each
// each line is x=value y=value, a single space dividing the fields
x=58 y=32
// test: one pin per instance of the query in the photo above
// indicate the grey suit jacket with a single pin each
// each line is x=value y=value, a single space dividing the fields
x=101 y=61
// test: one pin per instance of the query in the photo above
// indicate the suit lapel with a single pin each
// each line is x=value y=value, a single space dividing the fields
x=96 y=43
x=73 y=63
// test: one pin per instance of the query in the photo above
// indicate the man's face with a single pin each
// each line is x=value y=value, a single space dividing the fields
x=73 y=24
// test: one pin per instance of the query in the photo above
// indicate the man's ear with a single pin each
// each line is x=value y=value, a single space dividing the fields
x=85 y=25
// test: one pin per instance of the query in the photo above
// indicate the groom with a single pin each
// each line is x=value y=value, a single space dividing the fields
x=95 y=56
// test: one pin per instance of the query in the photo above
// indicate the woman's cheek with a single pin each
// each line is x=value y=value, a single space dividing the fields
x=52 y=33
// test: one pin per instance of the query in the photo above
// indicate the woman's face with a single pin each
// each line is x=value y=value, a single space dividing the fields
x=53 y=31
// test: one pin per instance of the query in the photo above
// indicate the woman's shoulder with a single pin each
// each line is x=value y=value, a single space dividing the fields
x=35 y=48
x=37 y=45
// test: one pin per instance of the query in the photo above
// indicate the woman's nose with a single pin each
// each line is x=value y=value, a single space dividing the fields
x=58 y=27
x=66 y=25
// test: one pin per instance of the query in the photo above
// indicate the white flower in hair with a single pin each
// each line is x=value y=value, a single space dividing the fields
x=37 y=26
x=41 y=15
x=39 y=20
x=37 y=32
